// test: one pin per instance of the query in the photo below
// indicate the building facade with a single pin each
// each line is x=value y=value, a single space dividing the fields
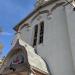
x=50 y=30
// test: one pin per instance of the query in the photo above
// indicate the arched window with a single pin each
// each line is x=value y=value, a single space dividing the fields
x=41 y=34
x=35 y=35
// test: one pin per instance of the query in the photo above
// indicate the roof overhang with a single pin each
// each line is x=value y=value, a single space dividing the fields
x=35 y=10
x=32 y=13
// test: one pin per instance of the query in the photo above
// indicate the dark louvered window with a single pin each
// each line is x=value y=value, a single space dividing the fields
x=41 y=32
x=35 y=35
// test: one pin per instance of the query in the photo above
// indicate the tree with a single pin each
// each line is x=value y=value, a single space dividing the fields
x=1 y=29
x=1 y=47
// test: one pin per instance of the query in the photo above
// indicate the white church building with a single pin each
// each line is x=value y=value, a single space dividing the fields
x=49 y=30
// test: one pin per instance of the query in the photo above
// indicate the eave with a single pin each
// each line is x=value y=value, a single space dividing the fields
x=32 y=13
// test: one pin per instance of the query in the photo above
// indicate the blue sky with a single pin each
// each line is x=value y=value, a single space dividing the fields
x=11 y=12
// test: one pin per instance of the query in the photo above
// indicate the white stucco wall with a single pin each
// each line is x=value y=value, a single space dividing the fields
x=58 y=46
x=71 y=29
x=27 y=35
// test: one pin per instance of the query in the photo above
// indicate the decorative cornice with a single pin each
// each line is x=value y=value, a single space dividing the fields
x=40 y=12
x=56 y=5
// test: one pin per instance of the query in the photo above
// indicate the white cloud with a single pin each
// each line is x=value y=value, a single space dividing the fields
x=6 y=33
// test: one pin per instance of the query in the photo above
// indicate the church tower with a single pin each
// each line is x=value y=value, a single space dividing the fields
x=48 y=30
x=48 y=34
